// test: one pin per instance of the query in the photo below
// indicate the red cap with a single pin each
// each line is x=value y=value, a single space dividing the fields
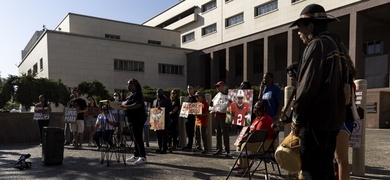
x=220 y=83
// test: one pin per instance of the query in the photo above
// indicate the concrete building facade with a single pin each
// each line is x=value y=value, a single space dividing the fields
x=84 y=48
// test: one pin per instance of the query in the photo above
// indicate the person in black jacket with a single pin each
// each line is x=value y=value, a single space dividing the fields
x=162 y=135
x=319 y=107
x=190 y=120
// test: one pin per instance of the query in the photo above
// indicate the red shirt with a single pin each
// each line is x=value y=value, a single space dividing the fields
x=263 y=122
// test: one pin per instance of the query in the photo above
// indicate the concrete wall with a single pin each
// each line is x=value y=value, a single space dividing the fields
x=21 y=128
x=380 y=118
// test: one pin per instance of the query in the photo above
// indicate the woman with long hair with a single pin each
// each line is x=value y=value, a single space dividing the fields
x=136 y=114
x=174 y=116
x=91 y=115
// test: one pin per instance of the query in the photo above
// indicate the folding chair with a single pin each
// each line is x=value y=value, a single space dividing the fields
x=268 y=157
x=107 y=152
x=123 y=145
x=258 y=136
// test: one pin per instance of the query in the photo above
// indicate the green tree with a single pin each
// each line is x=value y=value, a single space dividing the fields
x=26 y=90
x=95 y=89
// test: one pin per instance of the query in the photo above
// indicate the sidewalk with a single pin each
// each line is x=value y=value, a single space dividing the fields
x=84 y=163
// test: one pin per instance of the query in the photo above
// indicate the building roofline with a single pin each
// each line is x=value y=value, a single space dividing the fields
x=116 y=21
x=163 y=12
x=94 y=37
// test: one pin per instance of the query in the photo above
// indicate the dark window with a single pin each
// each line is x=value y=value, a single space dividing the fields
x=188 y=37
x=154 y=42
x=293 y=1
x=259 y=10
x=41 y=64
x=209 y=29
x=210 y=5
x=170 y=69
x=35 y=68
x=234 y=20
x=112 y=36
x=128 y=65
x=373 y=47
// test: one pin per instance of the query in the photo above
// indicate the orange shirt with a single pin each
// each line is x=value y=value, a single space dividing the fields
x=203 y=120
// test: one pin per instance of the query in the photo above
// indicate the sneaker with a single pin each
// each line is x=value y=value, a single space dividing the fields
x=141 y=160
x=219 y=152
x=132 y=159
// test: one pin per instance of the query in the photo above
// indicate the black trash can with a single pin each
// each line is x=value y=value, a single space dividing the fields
x=52 y=145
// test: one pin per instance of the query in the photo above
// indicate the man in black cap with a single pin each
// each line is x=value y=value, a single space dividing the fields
x=319 y=108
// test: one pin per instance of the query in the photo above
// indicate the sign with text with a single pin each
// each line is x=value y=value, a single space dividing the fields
x=39 y=113
x=220 y=102
x=355 y=140
x=157 y=118
x=70 y=115
x=190 y=108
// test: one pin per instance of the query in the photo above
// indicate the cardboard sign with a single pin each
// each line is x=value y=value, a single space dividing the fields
x=190 y=108
x=241 y=135
x=239 y=107
x=40 y=113
x=157 y=118
x=70 y=115
x=220 y=102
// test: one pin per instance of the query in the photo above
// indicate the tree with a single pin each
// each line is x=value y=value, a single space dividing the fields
x=94 y=88
x=26 y=90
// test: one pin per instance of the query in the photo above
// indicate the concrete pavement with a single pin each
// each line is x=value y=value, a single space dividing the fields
x=85 y=164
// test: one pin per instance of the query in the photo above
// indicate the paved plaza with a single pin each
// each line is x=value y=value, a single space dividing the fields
x=84 y=163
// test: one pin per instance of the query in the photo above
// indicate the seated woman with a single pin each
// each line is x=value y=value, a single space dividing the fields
x=262 y=122
x=104 y=127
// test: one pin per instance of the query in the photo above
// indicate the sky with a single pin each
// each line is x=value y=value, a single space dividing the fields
x=19 y=19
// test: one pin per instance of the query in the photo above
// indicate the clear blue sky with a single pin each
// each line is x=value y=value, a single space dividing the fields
x=19 y=19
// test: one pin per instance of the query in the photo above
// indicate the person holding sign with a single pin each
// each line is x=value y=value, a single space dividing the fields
x=77 y=128
x=41 y=113
x=190 y=120
x=262 y=121
x=201 y=122
x=162 y=135
x=219 y=105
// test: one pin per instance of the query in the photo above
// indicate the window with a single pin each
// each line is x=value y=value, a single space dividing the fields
x=154 y=42
x=234 y=20
x=373 y=47
x=41 y=64
x=293 y=1
x=258 y=67
x=111 y=36
x=35 y=68
x=170 y=69
x=259 y=10
x=209 y=29
x=188 y=37
x=128 y=65
x=210 y=5
x=29 y=72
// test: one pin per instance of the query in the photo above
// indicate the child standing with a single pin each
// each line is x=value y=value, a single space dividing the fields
x=201 y=122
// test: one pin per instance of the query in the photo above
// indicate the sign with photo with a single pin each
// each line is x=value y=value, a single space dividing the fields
x=190 y=108
x=70 y=115
x=39 y=113
x=220 y=102
x=241 y=135
x=239 y=107
x=157 y=118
